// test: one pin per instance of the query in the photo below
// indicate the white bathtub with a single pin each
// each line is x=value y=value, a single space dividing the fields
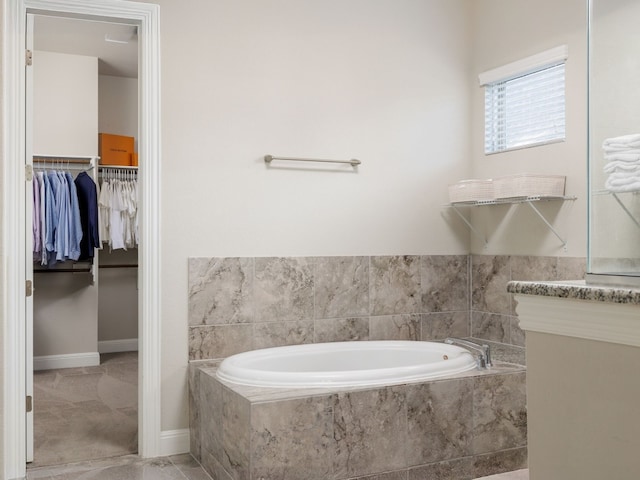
x=346 y=364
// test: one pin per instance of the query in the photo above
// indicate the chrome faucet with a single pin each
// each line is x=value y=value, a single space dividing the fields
x=484 y=351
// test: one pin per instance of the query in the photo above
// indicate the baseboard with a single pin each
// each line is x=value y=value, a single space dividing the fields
x=114 y=346
x=71 y=360
x=174 y=442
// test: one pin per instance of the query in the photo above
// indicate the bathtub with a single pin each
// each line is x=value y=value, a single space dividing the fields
x=354 y=364
x=383 y=408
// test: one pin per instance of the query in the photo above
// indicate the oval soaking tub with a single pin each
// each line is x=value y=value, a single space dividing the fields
x=346 y=364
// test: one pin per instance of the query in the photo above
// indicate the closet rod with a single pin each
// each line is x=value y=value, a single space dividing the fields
x=269 y=158
x=65 y=158
x=117 y=167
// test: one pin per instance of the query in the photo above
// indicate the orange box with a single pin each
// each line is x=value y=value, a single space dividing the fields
x=115 y=149
x=134 y=159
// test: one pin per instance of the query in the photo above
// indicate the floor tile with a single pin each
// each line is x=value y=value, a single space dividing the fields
x=129 y=467
x=86 y=413
x=517 y=475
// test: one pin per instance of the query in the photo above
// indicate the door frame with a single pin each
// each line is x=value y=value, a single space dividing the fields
x=147 y=17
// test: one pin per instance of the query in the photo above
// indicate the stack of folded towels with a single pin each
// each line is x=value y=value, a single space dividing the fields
x=622 y=155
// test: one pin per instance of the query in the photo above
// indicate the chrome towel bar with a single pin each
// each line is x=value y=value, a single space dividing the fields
x=269 y=158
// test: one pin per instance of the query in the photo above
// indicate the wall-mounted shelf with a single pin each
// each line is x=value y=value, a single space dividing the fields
x=616 y=196
x=509 y=201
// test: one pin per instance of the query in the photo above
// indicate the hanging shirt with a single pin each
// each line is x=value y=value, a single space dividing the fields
x=35 y=219
x=116 y=225
x=53 y=184
x=88 y=206
x=62 y=242
x=43 y=219
x=75 y=225
x=104 y=202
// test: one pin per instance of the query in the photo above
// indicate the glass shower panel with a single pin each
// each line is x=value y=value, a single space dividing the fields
x=614 y=139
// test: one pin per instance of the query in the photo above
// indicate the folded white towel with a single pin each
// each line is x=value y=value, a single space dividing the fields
x=622 y=167
x=617 y=181
x=623 y=157
x=631 y=187
x=628 y=141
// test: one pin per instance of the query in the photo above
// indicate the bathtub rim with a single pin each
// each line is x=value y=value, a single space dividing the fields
x=460 y=361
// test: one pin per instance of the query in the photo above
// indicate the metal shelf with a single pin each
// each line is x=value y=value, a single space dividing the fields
x=616 y=197
x=530 y=200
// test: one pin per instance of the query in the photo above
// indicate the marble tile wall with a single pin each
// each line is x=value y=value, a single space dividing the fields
x=457 y=429
x=493 y=314
x=240 y=304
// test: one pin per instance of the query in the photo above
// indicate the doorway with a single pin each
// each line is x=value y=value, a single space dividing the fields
x=146 y=18
x=83 y=79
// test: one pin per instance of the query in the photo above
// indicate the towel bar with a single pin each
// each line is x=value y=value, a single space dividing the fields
x=269 y=158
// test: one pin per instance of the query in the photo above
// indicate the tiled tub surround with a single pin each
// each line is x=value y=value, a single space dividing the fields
x=470 y=425
x=240 y=304
x=493 y=314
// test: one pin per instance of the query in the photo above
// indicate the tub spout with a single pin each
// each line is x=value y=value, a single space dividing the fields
x=483 y=350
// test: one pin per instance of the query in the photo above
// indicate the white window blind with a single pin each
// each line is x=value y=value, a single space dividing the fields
x=525 y=110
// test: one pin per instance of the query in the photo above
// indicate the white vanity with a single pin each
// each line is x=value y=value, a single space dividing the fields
x=583 y=379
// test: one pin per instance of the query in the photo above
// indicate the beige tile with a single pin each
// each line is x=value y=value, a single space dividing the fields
x=370 y=428
x=516 y=475
x=283 y=289
x=395 y=285
x=445 y=283
x=220 y=290
x=121 y=468
x=341 y=287
x=438 y=326
x=86 y=413
x=440 y=420
x=500 y=413
x=293 y=439
x=341 y=329
x=395 y=327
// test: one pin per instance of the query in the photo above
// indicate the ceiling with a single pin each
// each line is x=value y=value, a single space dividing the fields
x=117 y=57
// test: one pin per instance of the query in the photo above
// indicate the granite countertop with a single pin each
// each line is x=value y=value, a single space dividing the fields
x=577 y=290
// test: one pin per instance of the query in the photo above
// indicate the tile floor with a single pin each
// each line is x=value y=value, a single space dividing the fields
x=86 y=413
x=129 y=467
x=177 y=467
x=517 y=475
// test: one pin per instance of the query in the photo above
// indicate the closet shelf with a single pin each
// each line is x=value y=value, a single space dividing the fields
x=63 y=270
x=510 y=201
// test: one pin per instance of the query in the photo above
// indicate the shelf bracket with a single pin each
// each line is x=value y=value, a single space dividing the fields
x=626 y=210
x=564 y=242
x=471 y=227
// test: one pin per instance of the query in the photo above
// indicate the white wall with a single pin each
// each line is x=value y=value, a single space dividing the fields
x=506 y=31
x=118 y=106
x=383 y=81
x=65 y=91
x=65 y=314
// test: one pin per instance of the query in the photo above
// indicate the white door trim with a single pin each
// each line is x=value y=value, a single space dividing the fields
x=13 y=203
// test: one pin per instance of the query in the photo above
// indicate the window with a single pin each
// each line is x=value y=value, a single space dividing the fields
x=525 y=102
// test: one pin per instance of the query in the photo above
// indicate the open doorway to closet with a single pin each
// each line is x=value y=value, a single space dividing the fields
x=17 y=264
x=85 y=306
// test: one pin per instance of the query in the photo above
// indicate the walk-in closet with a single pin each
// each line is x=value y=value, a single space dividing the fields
x=82 y=87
